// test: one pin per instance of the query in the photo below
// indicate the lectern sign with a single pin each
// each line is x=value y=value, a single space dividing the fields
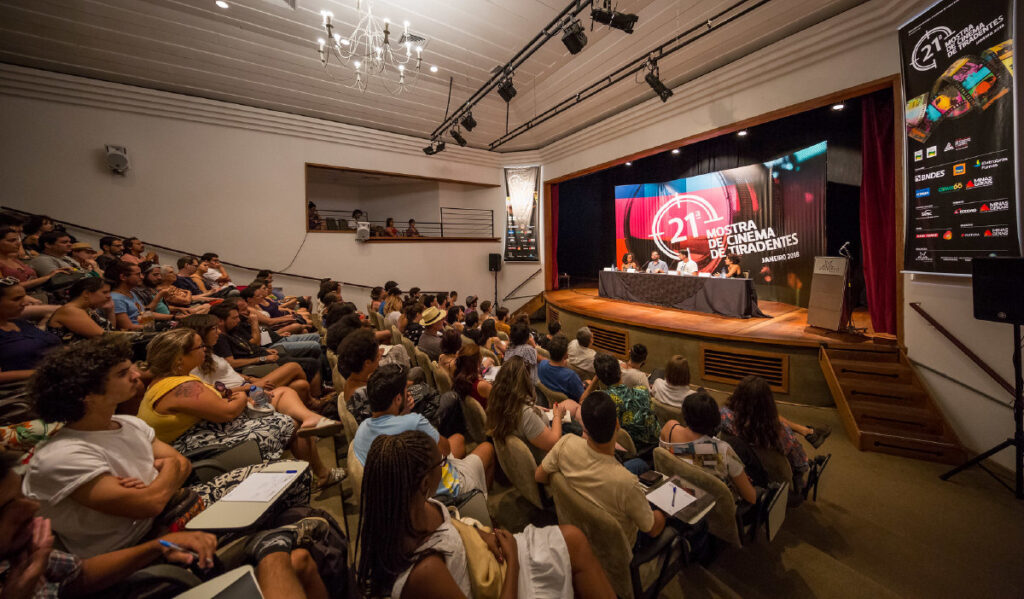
x=957 y=62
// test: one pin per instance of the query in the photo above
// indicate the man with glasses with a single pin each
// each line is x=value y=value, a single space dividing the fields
x=391 y=406
x=112 y=248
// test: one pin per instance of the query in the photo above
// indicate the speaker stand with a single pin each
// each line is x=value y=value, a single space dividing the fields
x=848 y=299
x=1017 y=441
x=495 y=288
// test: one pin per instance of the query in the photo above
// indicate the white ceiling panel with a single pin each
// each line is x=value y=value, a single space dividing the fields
x=262 y=53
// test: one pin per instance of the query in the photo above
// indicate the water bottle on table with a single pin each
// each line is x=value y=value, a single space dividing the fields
x=261 y=405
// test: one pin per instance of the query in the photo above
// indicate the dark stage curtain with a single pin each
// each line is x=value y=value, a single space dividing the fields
x=553 y=199
x=877 y=219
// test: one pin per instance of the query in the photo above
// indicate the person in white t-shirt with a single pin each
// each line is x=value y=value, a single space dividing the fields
x=686 y=266
x=581 y=355
x=675 y=386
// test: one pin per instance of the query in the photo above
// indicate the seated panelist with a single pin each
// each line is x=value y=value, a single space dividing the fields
x=732 y=262
x=657 y=265
x=686 y=266
x=629 y=261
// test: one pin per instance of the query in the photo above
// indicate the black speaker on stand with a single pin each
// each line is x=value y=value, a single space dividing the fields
x=494 y=265
x=998 y=287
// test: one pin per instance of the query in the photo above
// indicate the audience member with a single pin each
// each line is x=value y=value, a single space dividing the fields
x=11 y=265
x=521 y=344
x=697 y=444
x=471 y=327
x=413 y=330
x=83 y=255
x=54 y=248
x=389 y=228
x=111 y=249
x=590 y=468
x=581 y=355
x=149 y=296
x=554 y=327
x=35 y=226
x=675 y=387
x=135 y=252
x=129 y=313
x=451 y=343
x=430 y=339
x=453 y=298
x=175 y=296
x=632 y=403
x=489 y=339
x=376 y=297
x=412 y=231
x=467 y=381
x=359 y=355
x=485 y=311
x=511 y=409
x=471 y=305
x=454 y=316
x=501 y=318
x=392 y=305
x=410 y=547
x=22 y=344
x=632 y=376
x=215 y=276
x=81 y=317
x=555 y=373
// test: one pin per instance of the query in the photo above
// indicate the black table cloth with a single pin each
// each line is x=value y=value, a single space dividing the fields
x=728 y=297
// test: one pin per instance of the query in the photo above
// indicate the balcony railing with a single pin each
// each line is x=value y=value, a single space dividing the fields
x=455 y=223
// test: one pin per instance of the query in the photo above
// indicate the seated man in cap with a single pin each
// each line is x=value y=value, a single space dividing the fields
x=85 y=256
x=433 y=322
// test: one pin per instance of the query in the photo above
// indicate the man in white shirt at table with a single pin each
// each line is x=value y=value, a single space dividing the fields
x=656 y=265
x=686 y=266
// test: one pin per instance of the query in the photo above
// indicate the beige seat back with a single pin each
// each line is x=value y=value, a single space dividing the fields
x=519 y=465
x=441 y=378
x=665 y=412
x=476 y=419
x=355 y=475
x=722 y=519
x=396 y=335
x=623 y=439
x=348 y=421
x=553 y=397
x=503 y=336
x=606 y=537
x=543 y=353
x=486 y=353
x=775 y=465
x=423 y=361
x=410 y=347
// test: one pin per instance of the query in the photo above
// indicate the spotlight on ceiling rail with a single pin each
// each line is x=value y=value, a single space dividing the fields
x=613 y=18
x=506 y=90
x=838 y=107
x=742 y=133
x=468 y=122
x=435 y=147
x=654 y=81
x=457 y=136
x=573 y=37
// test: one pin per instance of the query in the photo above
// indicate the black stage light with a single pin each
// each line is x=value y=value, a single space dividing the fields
x=429 y=150
x=468 y=122
x=614 y=18
x=438 y=146
x=574 y=38
x=659 y=88
x=506 y=90
x=458 y=137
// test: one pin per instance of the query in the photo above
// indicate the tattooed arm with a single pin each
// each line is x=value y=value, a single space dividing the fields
x=196 y=399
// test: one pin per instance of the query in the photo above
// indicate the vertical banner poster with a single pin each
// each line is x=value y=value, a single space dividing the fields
x=957 y=63
x=770 y=216
x=522 y=190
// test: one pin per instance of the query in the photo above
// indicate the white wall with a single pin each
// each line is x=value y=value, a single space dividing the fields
x=211 y=176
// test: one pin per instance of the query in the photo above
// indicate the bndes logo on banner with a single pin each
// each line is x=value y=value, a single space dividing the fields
x=929 y=176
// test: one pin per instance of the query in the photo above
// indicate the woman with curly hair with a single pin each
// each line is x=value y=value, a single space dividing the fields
x=80 y=318
x=409 y=546
x=511 y=409
x=189 y=414
x=467 y=380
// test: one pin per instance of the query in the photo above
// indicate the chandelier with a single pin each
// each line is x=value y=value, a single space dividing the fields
x=370 y=52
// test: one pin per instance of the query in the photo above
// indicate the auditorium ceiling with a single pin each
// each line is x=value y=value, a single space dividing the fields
x=263 y=53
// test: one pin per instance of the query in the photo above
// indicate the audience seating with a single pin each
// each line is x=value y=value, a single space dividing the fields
x=410 y=347
x=613 y=550
x=775 y=464
x=355 y=475
x=665 y=412
x=441 y=378
x=543 y=353
x=396 y=335
x=467 y=341
x=221 y=460
x=583 y=374
x=503 y=336
x=476 y=419
x=486 y=353
x=722 y=519
x=518 y=463
x=552 y=397
x=623 y=439
x=423 y=361
x=348 y=421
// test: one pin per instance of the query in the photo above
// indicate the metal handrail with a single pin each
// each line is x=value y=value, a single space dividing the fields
x=966 y=350
x=520 y=286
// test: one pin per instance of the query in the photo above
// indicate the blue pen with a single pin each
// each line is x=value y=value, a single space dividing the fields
x=290 y=471
x=178 y=547
x=673 y=497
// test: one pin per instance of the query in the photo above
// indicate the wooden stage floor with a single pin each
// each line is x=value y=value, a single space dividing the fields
x=787 y=325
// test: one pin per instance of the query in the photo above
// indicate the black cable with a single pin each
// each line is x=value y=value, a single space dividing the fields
x=449 y=104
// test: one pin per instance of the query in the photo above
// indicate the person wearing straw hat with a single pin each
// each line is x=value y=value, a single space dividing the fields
x=85 y=255
x=433 y=321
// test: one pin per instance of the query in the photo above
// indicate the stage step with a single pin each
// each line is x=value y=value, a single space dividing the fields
x=883 y=405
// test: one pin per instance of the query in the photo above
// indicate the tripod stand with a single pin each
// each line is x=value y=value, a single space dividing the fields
x=1017 y=441
x=848 y=291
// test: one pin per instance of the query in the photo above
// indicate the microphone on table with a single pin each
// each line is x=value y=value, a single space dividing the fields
x=644 y=267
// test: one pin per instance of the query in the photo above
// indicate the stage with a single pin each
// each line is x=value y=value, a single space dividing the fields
x=720 y=350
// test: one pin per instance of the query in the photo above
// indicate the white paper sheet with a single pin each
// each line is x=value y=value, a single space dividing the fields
x=663 y=500
x=551 y=415
x=260 y=486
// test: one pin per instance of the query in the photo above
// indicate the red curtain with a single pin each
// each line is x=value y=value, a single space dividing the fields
x=553 y=202
x=877 y=214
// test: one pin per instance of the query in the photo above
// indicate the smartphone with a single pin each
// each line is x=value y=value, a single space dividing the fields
x=649 y=478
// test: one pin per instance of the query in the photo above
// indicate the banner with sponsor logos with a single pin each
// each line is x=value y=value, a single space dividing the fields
x=957 y=62
x=771 y=216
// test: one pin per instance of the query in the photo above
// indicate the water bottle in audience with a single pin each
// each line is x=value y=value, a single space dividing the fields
x=260 y=402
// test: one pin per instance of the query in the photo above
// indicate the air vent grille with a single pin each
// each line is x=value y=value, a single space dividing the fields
x=730 y=365
x=552 y=314
x=609 y=340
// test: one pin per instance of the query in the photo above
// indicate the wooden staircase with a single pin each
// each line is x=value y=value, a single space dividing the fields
x=531 y=307
x=885 y=407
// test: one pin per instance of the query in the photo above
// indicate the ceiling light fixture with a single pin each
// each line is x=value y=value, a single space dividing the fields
x=742 y=133
x=468 y=122
x=675 y=151
x=435 y=147
x=221 y=3
x=613 y=18
x=370 y=52
x=574 y=37
x=652 y=79
x=838 y=107
x=506 y=90
x=629 y=164
x=457 y=136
